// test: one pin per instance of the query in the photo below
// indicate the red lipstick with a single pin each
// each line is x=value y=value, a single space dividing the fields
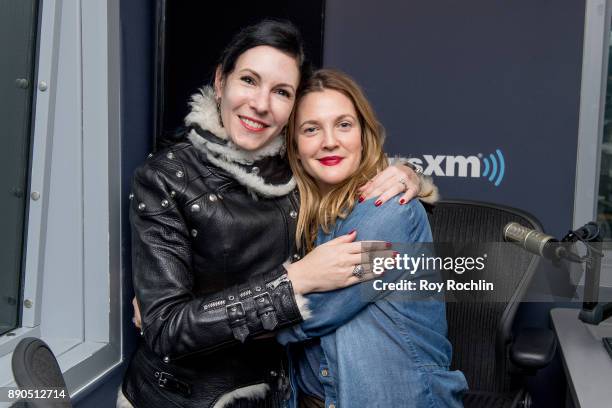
x=250 y=127
x=330 y=160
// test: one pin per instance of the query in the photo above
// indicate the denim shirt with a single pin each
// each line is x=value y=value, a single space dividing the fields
x=366 y=348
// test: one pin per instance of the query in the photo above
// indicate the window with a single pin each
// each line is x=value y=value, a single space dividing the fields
x=18 y=28
x=71 y=270
x=604 y=196
x=592 y=191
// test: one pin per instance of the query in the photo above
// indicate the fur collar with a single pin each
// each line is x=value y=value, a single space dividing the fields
x=274 y=178
x=204 y=113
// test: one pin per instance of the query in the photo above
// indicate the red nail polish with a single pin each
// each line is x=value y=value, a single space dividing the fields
x=388 y=244
x=402 y=201
x=353 y=230
x=378 y=203
x=395 y=253
x=361 y=198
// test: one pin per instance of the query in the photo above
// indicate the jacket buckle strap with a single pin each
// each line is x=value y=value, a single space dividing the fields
x=238 y=321
x=266 y=311
x=169 y=382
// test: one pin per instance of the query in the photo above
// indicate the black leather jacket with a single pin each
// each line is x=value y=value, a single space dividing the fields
x=207 y=253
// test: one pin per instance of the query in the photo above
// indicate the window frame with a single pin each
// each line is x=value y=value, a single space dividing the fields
x=596 y=42
x=94 y=283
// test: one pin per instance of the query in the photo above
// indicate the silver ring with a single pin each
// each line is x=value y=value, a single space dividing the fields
x=404 y=183
x=359 y=271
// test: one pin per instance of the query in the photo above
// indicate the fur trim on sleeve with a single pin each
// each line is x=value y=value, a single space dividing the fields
x=300 y=300
x=303 y=307
x=122 y=401
x=429 y=191
x=252 y=392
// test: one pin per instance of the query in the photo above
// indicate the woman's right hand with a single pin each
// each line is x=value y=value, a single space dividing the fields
x=137 y=320
x=330 y=266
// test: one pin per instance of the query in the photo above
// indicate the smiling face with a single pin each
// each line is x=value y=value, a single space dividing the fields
x=328 y=136
x=257 y=96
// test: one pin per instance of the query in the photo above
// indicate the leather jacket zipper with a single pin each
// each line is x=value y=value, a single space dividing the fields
x=276 y=282
x=213 y=305
x=285 y=223
x=246 y=293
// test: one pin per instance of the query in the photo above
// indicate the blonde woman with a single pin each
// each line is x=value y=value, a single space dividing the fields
x=356 y=348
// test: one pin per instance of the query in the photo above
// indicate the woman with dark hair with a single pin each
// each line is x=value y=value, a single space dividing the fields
x=213 y=221
x=376 y=348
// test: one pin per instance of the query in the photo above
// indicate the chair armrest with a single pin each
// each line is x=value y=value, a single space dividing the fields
x=533 y=348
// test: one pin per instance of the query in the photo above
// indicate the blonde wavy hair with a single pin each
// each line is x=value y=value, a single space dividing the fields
x=317 y=210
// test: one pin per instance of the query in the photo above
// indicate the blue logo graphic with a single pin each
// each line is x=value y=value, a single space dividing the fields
x=497 y=166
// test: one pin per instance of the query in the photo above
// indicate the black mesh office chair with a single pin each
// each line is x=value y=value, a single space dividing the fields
x=484 y=348
x=35 y=367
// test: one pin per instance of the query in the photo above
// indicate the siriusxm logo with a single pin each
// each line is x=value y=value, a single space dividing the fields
x=491 y=167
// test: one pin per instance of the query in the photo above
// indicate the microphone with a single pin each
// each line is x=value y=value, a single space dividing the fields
x=537 y=243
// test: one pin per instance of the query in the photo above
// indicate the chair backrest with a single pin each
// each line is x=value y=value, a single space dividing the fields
x=480 y=331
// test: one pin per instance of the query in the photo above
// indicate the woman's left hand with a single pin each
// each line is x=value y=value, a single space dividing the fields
x=390 y=182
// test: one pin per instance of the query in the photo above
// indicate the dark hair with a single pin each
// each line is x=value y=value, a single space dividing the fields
x=279 y=34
